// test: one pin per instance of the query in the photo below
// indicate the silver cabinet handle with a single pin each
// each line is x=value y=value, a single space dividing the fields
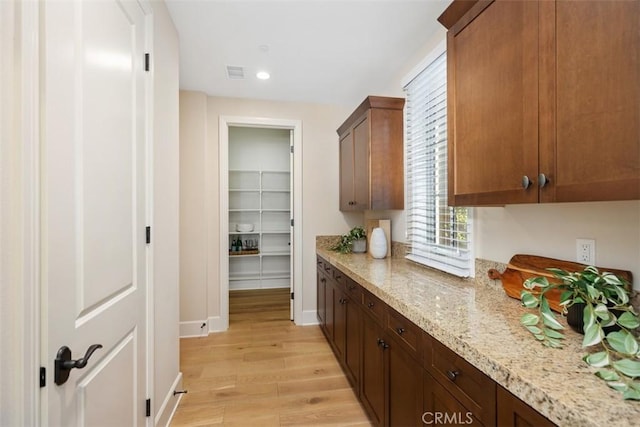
x=542 y=180
x=526 y=182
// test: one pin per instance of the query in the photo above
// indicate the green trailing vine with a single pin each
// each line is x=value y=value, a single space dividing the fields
x=616 y=354
x=345 y=244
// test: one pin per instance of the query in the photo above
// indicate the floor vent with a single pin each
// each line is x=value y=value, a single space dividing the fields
x=235 y=72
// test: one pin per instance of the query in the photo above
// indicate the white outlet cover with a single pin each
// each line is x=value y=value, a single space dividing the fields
x=586 y=251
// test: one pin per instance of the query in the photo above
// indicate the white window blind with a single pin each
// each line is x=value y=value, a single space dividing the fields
x=438 y=235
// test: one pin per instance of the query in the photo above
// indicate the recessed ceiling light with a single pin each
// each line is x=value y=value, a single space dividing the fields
x=262 y=75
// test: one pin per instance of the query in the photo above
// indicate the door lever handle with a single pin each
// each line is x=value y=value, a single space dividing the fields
x=63 y=363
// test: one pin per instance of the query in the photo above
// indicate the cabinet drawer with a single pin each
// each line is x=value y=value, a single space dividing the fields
x=325 y=266
x=339 y=277
x=407 y=333
x=472 y=388
x=354 y=290
x=373 y=305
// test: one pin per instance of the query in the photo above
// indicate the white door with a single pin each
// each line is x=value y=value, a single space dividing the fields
x=93 y=218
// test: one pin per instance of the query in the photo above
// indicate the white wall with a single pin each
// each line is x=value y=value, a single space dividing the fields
x=193 y=245
x=320 y=190
x=551 y=230
x=258 y=148
x=165 y=222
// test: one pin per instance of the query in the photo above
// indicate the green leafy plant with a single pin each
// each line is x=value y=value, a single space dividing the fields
x=605 y=296
x=344 y=245
x=357 y=233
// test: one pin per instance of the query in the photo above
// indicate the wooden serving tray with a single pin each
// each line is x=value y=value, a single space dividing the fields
x=245 y=252
x=522 y=267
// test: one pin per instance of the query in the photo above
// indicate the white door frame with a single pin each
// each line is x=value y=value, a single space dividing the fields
x=223 y=168
x=19 y=212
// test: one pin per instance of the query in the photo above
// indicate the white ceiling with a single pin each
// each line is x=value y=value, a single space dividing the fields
x=331 y=51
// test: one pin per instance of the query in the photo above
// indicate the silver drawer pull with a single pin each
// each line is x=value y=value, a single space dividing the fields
x=542 y=180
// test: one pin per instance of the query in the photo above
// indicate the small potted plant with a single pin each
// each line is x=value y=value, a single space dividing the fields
x=354 y=241
x=604 y=299
x=358 y=240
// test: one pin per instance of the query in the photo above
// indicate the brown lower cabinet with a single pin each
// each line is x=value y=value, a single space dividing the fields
x=514 y=412
x=346 y=333
x=402 y=375
x=373 y=383
x=405 y=403
x=321 y=285
x=441 y=408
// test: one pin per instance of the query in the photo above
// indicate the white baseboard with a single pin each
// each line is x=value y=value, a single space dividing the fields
x=193 y=329
x=217 y=324
x=309 y=317
x=170 y=404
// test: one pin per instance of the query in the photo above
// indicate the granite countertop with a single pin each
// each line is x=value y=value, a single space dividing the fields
x=482 y=324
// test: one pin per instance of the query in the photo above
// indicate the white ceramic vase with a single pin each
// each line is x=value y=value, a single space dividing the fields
x=378 y=243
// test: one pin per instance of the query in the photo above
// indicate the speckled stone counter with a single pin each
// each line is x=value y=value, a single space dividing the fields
x=482 y=324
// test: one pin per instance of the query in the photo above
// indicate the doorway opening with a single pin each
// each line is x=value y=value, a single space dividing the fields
x=260 y=199
x=259 y=237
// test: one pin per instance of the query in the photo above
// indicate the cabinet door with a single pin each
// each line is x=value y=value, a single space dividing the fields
x=441 y=408
x=405 y=388
x=597 y=155
x=373 y=381
x=361 y=164
x=339 y=323
x=347 y=198
x=321 y=283
x=492 y=72
x=353 y=342
x=466 y=383
x=514 y=412
x=328 y=313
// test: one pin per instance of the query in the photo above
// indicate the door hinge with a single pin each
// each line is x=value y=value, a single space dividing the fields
x=292 y=222
x=148 y=407
x=147 y=61
x=291 y=295
x=43 y=376
x=291 y=149
x=148 y=235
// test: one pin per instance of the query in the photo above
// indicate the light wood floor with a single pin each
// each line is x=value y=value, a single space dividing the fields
x=264 y=371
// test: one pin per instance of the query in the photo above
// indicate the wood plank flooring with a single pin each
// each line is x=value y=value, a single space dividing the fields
x=264 y=371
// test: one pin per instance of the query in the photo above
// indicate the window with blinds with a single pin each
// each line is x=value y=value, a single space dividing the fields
x=438 y=235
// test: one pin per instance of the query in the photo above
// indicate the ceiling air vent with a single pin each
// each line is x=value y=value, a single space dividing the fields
x=235 y=72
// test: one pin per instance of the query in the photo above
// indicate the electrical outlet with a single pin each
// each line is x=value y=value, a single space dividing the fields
x=586 y=251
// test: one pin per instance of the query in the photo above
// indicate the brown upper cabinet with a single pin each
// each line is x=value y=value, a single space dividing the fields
x=543 y=101
x=371 y=156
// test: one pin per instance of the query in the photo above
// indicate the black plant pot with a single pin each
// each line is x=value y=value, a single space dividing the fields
x=575 y=319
